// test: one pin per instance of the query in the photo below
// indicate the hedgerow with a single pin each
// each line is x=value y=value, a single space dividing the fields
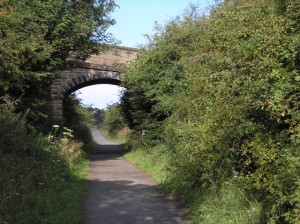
x=221 y=91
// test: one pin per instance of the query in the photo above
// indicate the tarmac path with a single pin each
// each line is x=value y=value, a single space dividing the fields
x=120 y=193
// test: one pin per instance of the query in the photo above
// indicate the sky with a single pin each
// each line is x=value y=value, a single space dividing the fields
x=134 y=19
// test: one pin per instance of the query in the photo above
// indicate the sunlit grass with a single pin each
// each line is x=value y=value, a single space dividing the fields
x=227 y=204
x=67 y=209
x=153 y=162
x=30 y=196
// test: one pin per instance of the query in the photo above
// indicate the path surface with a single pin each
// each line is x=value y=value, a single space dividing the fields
x=120 y=193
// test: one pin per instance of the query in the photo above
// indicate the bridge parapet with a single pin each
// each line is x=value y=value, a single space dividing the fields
x=117 y=56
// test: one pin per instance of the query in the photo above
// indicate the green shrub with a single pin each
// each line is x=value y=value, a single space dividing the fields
x=81 y=132
x=226 y=203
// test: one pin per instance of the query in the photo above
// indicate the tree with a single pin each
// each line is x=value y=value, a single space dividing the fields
x=113 y=119
x=37 y=38
x=98 y=115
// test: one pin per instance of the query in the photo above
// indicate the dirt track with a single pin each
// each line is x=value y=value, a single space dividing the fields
x=120 y=193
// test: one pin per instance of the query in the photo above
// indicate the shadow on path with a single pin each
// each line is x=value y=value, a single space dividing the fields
x=129 y=203
x=108 y=149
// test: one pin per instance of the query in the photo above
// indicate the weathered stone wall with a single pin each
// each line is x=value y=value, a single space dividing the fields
x=103 y=68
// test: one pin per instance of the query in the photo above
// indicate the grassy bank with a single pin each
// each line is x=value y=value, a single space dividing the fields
x=41 y=191
x=225 y=204
x=43 y=178
x=67 y=208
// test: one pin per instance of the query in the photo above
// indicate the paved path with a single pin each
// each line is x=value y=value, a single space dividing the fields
x=120 y=193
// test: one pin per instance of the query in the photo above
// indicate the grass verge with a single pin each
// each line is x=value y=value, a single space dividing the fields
x=120 y=137
x=227 y=204
x=37 y=192
x=68 y=207
x=153 y=162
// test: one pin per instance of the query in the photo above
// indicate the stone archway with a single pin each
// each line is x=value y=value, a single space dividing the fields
x=98 y=69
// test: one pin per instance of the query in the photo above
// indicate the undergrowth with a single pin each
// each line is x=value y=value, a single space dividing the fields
x=67 y=208
x=42 y=177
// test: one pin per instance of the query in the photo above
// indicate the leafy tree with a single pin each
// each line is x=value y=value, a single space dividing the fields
x=113 y=119
x=98 y=116
x=37 y=38
x=155 y=80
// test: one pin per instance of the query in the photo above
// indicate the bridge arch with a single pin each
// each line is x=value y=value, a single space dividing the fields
x=105 y=68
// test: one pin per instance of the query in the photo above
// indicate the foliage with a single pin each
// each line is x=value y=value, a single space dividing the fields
x=78 y=118
x=229 y=204
x=97 y=115
x=221 y=91
x=155 y=161
x=37 y=38
x=68 y=208
x=34 y=169
x=113 y=120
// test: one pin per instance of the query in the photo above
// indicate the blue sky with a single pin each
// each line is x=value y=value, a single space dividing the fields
x=137 y=17
x=134 y=19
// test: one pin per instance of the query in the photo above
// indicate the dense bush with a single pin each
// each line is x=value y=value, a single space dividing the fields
x=78 y=118
x=221 y=91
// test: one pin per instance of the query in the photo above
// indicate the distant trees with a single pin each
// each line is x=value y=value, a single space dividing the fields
x=98 y=115
x=221 y=92
x=113 y=119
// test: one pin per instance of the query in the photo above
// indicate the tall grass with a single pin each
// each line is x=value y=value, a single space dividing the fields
x=39 y=174
x=67 y=208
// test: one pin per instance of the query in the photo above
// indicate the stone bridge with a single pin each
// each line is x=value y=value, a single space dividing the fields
x=104 y=68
